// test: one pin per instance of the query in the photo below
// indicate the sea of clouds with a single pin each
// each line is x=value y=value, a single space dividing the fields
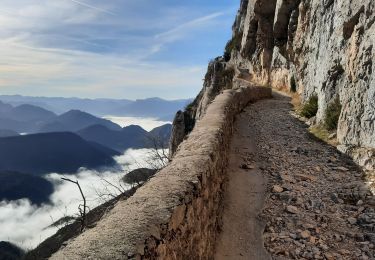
x=146 y=123
x=28 y=225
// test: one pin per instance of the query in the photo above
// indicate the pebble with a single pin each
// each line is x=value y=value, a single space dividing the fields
x=247 y=167
x=287 y=178
x=277 y=189
x=292 y=209
x=329 y=256
x=340 y=168
x=352 y=221
x=305 y=234
x=325 y=207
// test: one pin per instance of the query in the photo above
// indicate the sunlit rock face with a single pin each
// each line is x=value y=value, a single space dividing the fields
x=326 y=46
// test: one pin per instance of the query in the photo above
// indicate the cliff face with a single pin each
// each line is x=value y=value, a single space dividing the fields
x=325 y=47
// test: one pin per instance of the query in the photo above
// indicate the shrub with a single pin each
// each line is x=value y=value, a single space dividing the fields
x=228 y=74
x=332 y=115
x=233 y=44
x=138 y=176
x=310 y=108
x=293 y=85
x=189 y=106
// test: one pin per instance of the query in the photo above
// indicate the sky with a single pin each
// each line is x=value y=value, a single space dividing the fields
x=110 y=49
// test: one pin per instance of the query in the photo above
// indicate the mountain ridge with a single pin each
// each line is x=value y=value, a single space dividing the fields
x=100 y=106
x=132 y=136
x=43 y=153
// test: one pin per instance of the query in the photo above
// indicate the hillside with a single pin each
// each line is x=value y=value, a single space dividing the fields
x=128 y=137
x=4 y=108
x=51 y=152
x=30 y=113
x=15 y=186
x=24 y=118
x=9 y=251
x=152 y=107
x=162 y=133
x=75 y=120
x=7 y=133
x=16 y=126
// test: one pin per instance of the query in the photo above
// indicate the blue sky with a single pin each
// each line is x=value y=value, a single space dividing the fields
x=112 y=49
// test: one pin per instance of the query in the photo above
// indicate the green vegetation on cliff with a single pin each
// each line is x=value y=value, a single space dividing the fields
x=332 y=115
x=233 y=44
x=310 y=108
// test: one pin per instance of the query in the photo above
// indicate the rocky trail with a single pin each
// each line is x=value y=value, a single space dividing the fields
x=310 y=199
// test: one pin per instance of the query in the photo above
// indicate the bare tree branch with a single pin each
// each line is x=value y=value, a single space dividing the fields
x=82 y=212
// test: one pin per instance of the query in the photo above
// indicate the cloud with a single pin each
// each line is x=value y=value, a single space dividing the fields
x=146 y=123
x=26 y=225
x=74 y=71
x=179 y=31
x=93 y=7
x=76 y=48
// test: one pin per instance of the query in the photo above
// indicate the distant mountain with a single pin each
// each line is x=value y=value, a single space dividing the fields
x=162 y=134
x=60 y=105
x=129 y=137
x=15 y=185
x=16 y=126
x=9 y=251
x=75 y=120
x=4 y=108
x=23 y=118
x=8 y=133
x=151 y=107
x=136 y=136
x=30 y=113
x=51 y=152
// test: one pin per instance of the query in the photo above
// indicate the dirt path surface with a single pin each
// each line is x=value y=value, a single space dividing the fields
x=315 y=202
x=242 y=230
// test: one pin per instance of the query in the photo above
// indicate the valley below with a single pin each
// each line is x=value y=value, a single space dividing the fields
x=27 y=225
x=38 y=148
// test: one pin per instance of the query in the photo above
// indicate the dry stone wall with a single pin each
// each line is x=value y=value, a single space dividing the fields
x=177 y=214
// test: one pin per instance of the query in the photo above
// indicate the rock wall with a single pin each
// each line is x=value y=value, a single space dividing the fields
x=220 y=76
x=177 y=214
x=327 y=47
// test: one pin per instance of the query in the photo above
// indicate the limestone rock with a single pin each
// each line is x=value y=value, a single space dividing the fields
x=178 y=132
x=305 y=234
x=292 y=209
x=321 y=47
x=277 y=189
x=326 y=48
x=352 y=221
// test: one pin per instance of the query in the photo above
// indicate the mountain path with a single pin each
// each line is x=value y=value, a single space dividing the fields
x=244 y=199
x=289 y=195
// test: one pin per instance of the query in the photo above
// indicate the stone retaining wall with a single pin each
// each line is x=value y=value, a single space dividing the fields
x=177 y=214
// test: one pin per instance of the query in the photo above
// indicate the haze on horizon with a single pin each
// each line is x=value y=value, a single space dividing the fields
x=110 y=49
